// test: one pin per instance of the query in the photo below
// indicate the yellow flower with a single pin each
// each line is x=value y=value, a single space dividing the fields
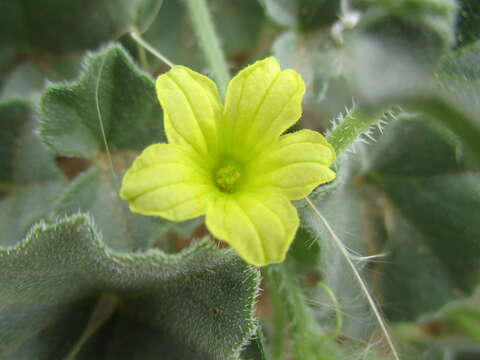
x=230 y=161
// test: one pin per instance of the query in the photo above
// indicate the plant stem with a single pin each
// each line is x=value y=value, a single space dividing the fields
x=355 y=123
x=338 y=311
x=103 y=310
x=309 y=341
x=136 y=36
x=205 y=31
x=143 y=58
x=279 y=321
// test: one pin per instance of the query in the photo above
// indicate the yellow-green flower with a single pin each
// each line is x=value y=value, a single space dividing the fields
x=230 y=162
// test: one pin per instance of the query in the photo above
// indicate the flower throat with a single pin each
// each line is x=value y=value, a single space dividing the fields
x=227 y=177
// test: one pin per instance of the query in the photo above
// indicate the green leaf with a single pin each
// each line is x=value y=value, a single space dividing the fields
x=29 y=78
x=28 y=174
x=112 y=97
x=423 y=27
x=464 y=318
x=427 y=181
x=147 y=11
x=96 y=193
x=171 y=33
x=23 y=158
x=302 y=14
x=13 y=117
x=407 y=83
x=72 y=25
x=24 y=207
x=239 y=24
x=198 y=303
x=414 y=198
x=468 y=23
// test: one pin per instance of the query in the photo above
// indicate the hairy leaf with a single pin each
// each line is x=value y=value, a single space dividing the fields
x=194 y=304
x=112 y=98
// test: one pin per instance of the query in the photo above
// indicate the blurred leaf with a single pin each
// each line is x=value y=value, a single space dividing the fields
x=468 y=23
x=13 y=117
x=305 y=249
x=30 y=77
x=313 y=55
x=198 y=303
x=239 y=25
x=111 y=93
x=23 y=158
x=60 y=26
x=25 y=80
x=302 y=14
x=28 y=174
x=96 y=193
x=464 y=318
x=423 y=27
x=459 y=74
x=146 y=13
x=413 y=197
x=407 y=83
x=171 y=33
x=430 y=214
x=24 y=207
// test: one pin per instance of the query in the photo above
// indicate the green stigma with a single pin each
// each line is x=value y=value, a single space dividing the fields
x=227 y=177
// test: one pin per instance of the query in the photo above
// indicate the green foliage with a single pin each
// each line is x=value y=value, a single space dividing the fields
x=112 y=97
x=425 y=27
x=24 y=23
x=468 y=24
x=196 y=303
x=137 y=287
x=121 y=229
x=28 y=173
x=302 y=14
x=431 y=166
x=13 y=116
x=73 y=269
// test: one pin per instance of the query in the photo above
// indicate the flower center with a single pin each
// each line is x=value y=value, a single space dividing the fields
x=227 y=177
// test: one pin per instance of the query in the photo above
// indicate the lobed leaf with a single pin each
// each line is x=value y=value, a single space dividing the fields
x=111 y=97
x=198 y=303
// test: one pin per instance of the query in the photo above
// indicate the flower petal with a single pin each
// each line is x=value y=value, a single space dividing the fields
x=165 y=181
x=191 y=104
x=295 y=165
x=261 y=103
x=259 y=226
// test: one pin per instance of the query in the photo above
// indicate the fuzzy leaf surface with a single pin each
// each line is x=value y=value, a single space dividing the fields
x=197 y=303
x=111 y=93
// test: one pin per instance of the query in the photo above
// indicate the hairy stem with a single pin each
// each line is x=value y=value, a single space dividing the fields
x=205 y=30
x=353 y=125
